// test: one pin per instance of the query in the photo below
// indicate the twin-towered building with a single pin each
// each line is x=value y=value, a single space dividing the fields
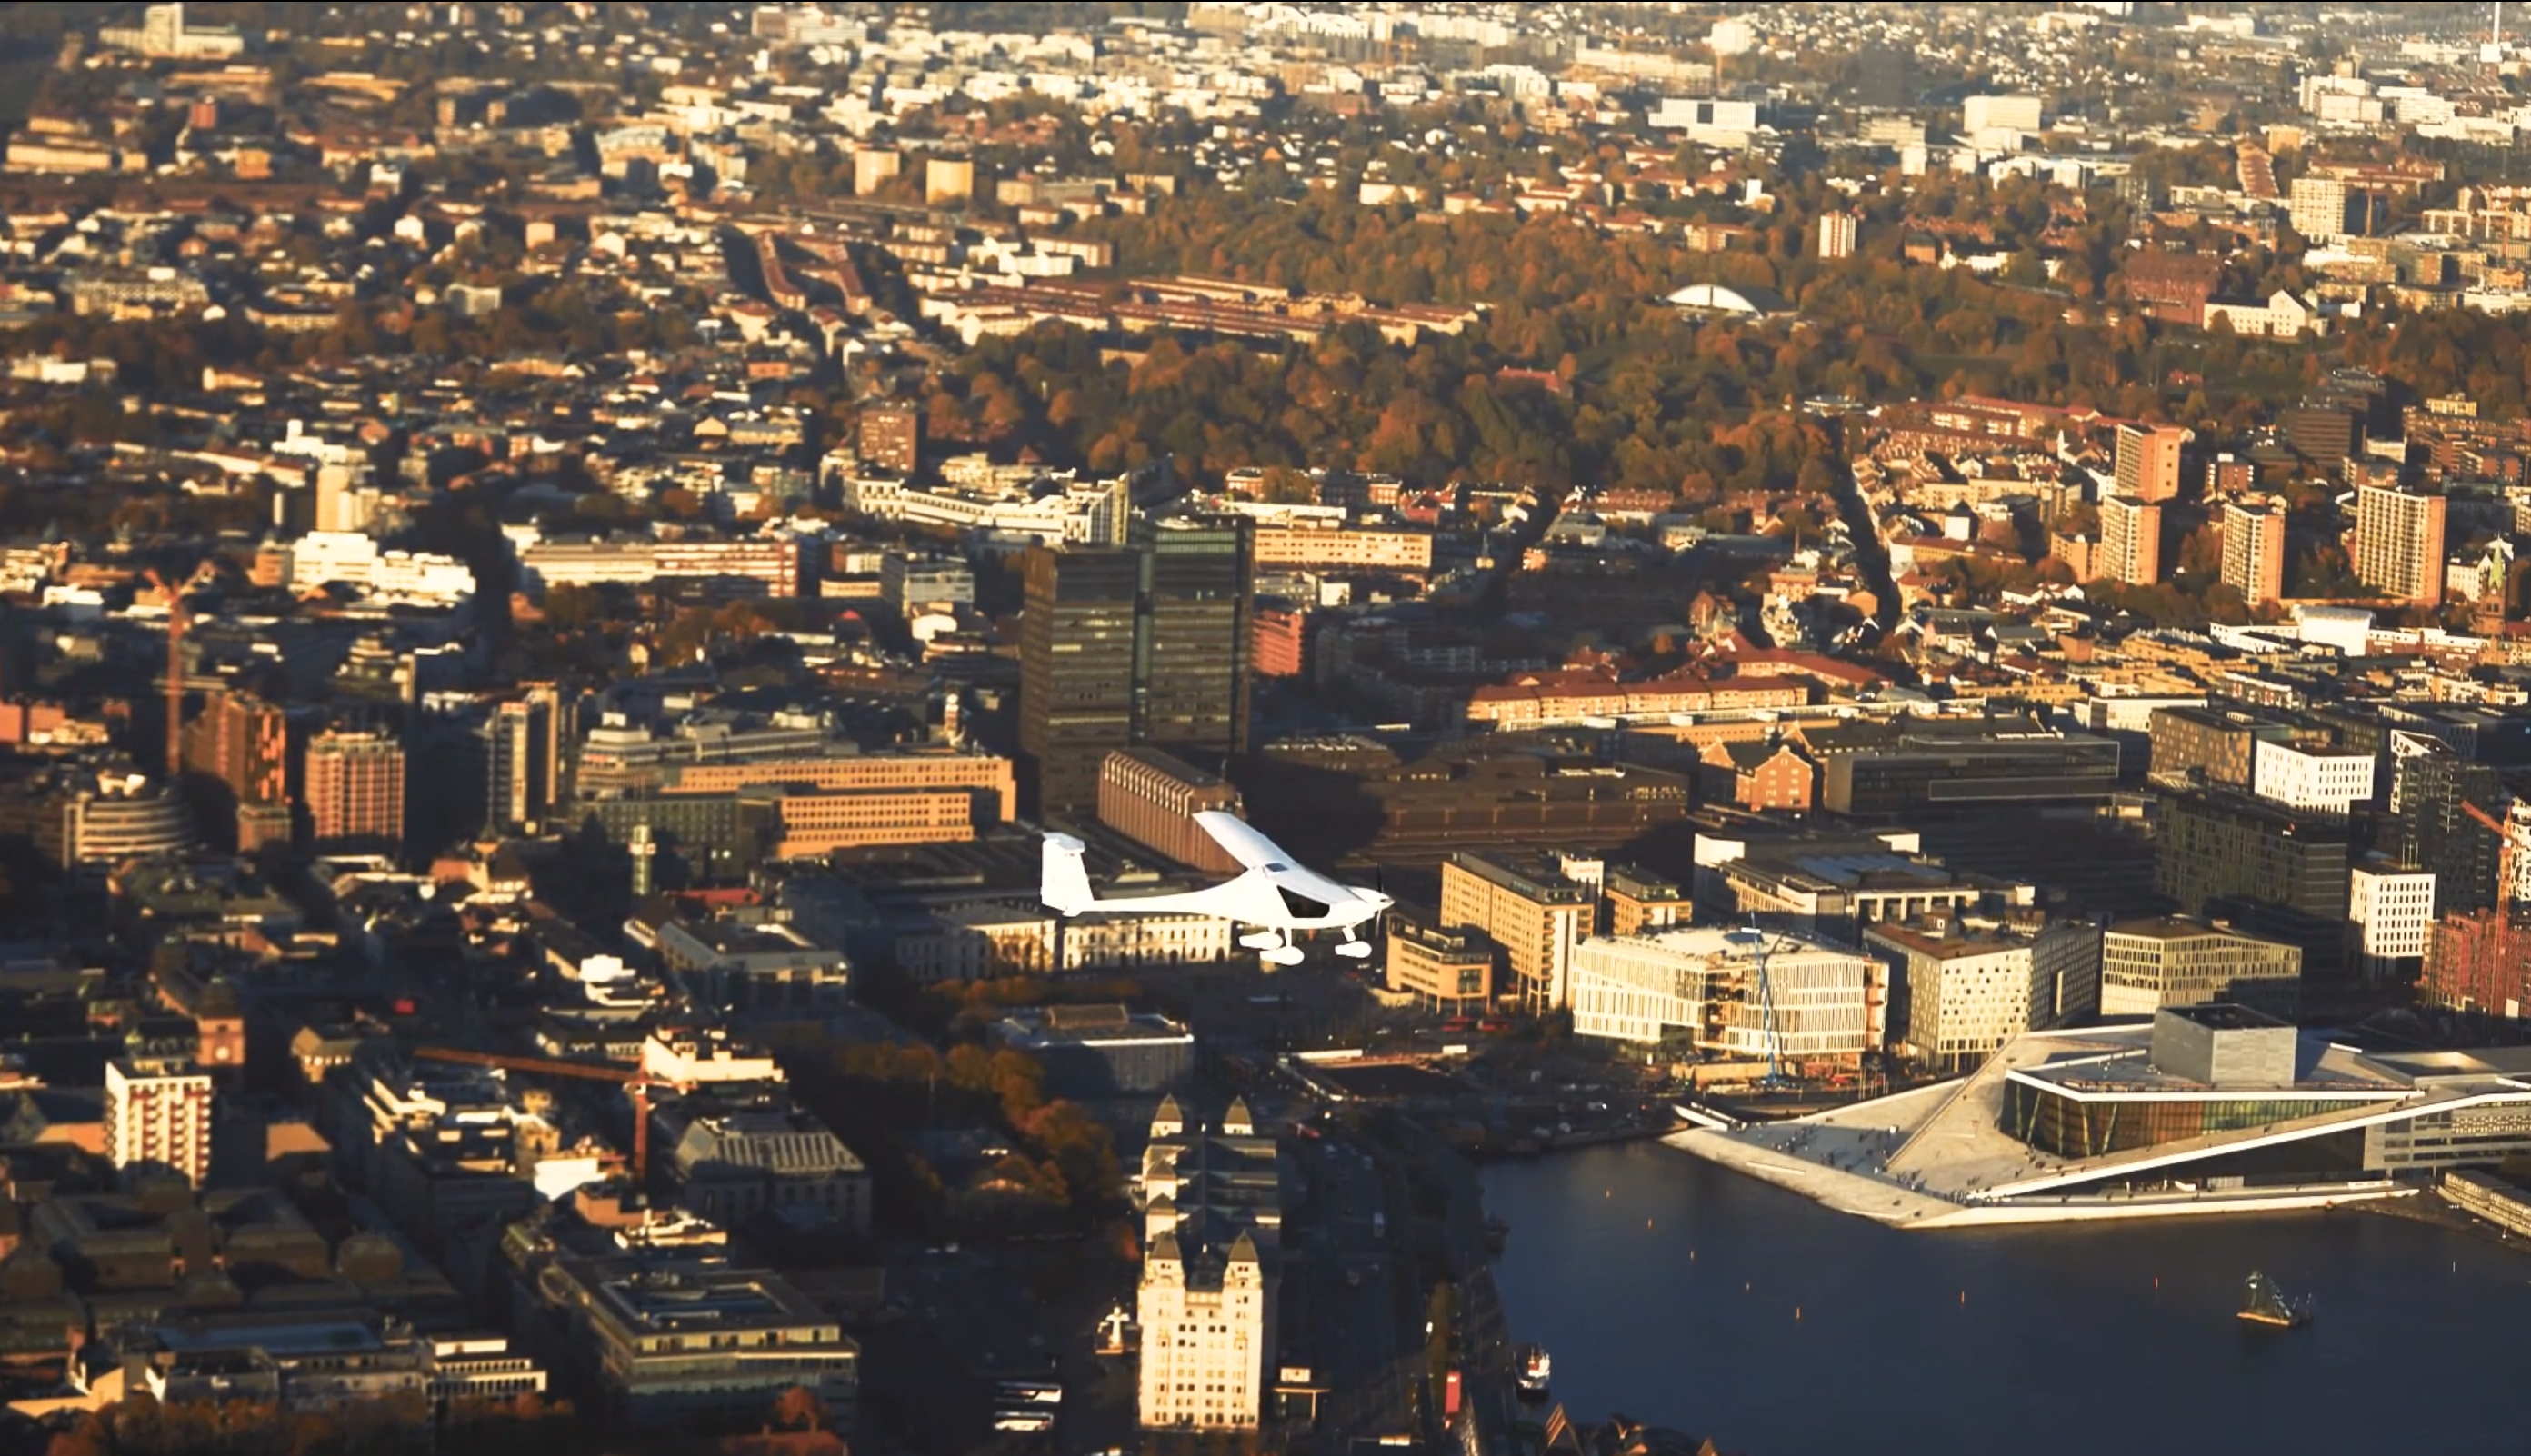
x=1213 y=1219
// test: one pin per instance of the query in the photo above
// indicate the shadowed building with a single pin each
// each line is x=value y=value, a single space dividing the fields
x=2279 y=871
x=2432 y=791
x=1870 y=769
x=890 y=437
x=1101 y=1050
x=1076 y=670
x=1146 y=645
x=237 y=755
x=1322 y=797
x=2216 y=746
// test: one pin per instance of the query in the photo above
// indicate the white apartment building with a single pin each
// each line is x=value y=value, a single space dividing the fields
x=2391 y=914
x=1821 y=1005
x=2318 y=207
x=2329 y=780
x=158 y=1118
x=1972 y=988
x=1838 y=232
x=1089 y=513
x=323 y=558
x=1991 y=113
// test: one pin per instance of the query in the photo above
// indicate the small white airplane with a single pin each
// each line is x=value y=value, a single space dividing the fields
x=1274 y=894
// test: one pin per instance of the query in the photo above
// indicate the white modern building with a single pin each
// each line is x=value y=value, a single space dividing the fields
x=2329 y=780
x=164 y=33
x=1706 y=122
x=1970 y=987
x=1817 y=1004
x=158 y=1118
x=1999 y=113
x=983 y=939
x=323 y=558
x=2201 y=1110
x=1066 y=510
x=2390 y=918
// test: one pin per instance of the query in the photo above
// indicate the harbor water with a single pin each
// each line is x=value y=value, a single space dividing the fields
x=1684 y=1295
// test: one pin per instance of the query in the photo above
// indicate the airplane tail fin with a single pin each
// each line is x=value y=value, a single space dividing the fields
x=1063 y=885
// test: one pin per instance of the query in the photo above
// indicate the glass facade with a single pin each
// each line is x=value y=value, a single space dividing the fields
x=2066 y=1126
x=1142 y=646
x=2479 y=1137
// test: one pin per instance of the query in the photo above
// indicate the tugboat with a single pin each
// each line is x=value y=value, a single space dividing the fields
x=1533 y=1368
x=2264 y=1302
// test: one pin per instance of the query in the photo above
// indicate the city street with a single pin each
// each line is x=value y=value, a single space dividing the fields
x=1351 y=1288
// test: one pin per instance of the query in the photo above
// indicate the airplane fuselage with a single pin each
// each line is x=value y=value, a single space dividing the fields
x=1289 y=899
x=1274 y=894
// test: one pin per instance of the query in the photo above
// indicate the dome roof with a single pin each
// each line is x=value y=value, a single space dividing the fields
x=1749 y=302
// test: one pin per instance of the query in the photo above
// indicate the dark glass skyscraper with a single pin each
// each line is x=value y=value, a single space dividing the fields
x=1146 y=646
x=2430 y=828
x=1192 y=640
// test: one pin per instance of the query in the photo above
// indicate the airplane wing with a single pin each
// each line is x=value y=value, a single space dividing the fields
x=1241 y=841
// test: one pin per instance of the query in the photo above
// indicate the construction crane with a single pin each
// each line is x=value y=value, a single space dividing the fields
x=1752 y=938
x=178 y=621
x=636 y=1082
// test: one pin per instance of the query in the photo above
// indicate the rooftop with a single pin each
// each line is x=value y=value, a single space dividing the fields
x=2226 y=1017
x=2178 y=927
x=1090 y=1026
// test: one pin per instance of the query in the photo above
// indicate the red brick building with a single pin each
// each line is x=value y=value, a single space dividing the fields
x=1282 y=642
x=2480 y=962
x=354 y=791
x=2172 y=286
x=1761 y=776
x=1152 y=799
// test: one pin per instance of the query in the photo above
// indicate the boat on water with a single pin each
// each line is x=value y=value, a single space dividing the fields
x=1533 y=1368
x=2265 y=1302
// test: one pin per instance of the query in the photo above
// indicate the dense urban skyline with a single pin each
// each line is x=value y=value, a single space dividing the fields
x=1916 y=602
